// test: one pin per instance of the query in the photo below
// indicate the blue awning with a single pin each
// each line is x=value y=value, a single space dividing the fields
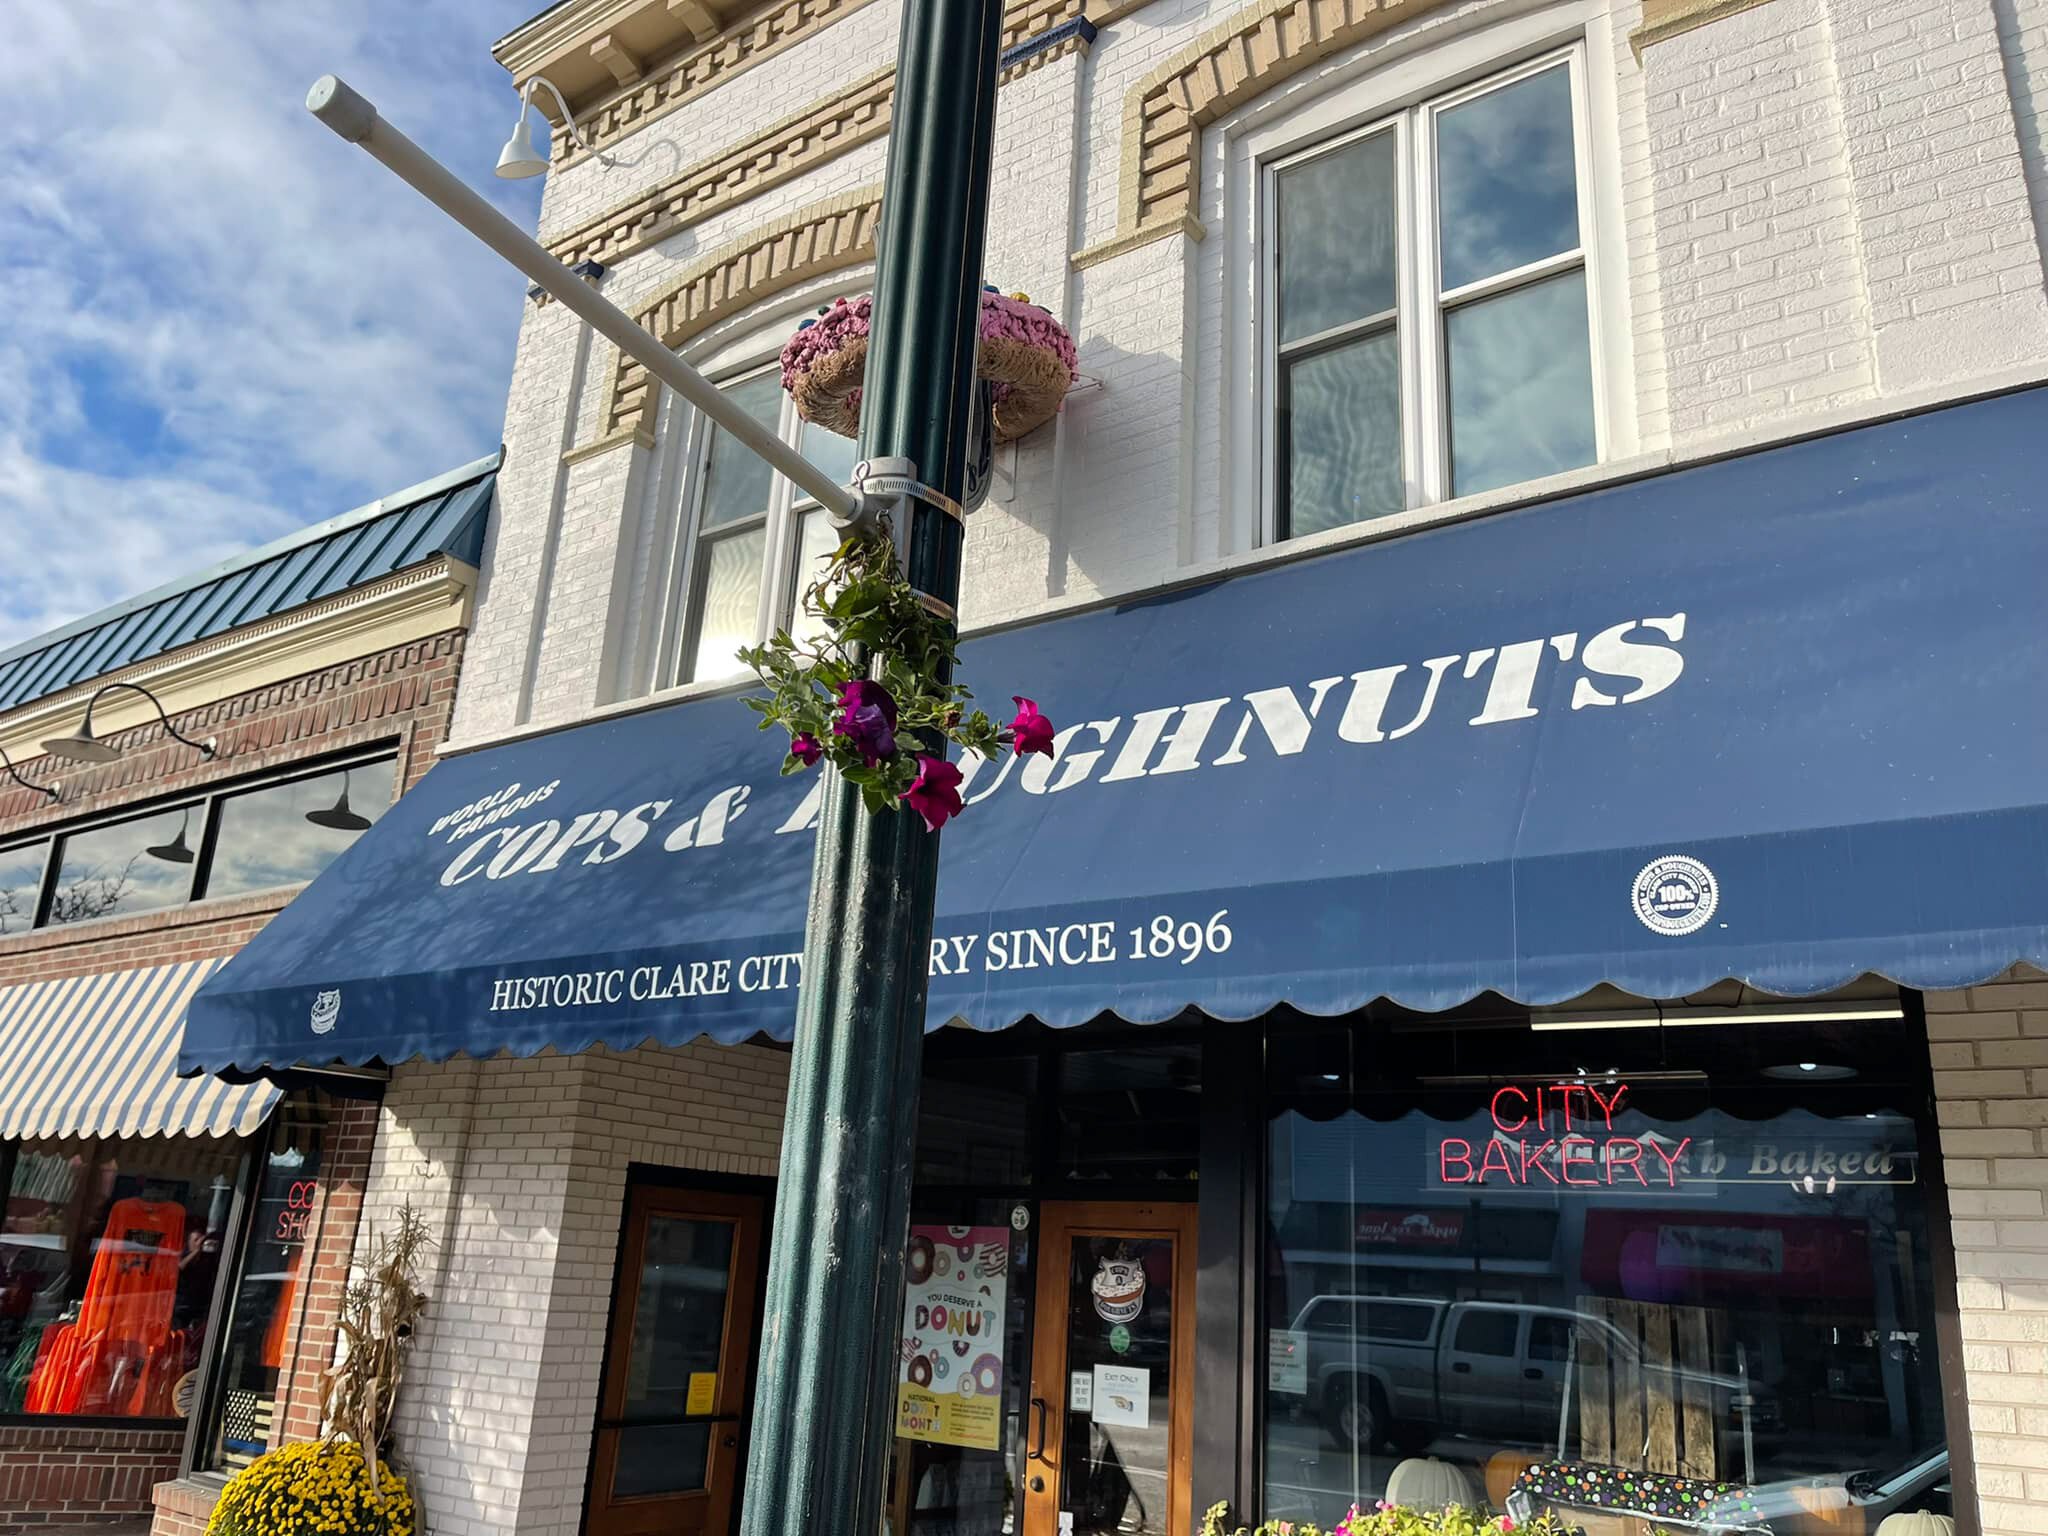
x=1779 y=718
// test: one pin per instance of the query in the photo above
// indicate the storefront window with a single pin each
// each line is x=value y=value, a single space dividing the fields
x=21 y=879
x=259 y=1315
x=974 y=1121
x=129 y=866
x=960 y=1453
x=1130 y=1116
x=108 y=1254
x=1690 y=1257
x=283 y=834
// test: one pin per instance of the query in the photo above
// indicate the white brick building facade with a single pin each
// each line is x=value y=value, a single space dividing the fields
x=1803 y=212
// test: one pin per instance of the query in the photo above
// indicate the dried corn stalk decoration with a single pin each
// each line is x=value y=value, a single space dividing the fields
x=378 y=1312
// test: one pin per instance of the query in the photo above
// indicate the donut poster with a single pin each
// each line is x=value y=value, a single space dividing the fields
x=950 y=1389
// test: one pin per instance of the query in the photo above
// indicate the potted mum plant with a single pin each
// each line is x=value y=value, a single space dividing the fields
x=344 y=1484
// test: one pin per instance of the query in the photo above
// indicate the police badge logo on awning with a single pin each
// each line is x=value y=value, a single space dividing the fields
x=1676 y=895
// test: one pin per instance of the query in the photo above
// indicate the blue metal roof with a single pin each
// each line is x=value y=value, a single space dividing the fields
x=443 y=516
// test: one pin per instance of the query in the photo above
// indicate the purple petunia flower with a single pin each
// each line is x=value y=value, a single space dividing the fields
x=805 y=749
x=867 y=719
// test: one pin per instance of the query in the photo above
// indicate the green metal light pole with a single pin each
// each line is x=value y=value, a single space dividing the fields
x=824 y=1403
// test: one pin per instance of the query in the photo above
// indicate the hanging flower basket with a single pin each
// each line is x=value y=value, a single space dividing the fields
x=1025 y=353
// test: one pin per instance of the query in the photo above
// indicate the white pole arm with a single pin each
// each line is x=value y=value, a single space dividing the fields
x=356 y=120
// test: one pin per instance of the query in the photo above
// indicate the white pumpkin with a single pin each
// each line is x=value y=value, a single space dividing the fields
x=1423 y=1482
x=1918 y=1524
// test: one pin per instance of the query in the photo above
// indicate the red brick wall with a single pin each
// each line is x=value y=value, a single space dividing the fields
x=59 y=1476
x=50 y=1474
x=401 y=695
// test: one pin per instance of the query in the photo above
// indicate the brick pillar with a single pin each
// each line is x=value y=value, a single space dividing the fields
x=1990 y=1050
x=351 y=1133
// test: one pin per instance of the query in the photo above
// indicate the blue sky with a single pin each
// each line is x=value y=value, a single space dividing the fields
x=223 y=323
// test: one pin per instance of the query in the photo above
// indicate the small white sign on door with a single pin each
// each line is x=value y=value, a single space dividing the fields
x=1080 y=1392
x=1122 y=1397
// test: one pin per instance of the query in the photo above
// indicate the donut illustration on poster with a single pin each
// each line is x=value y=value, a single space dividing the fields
x=949 y=1388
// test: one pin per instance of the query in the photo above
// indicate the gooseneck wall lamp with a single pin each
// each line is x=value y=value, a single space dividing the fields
x=81 y=746
x=14 y=773
x=519 y=159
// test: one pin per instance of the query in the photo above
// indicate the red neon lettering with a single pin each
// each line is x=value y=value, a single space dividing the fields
x=1532 y=1157
x=1608 y=1106
x=1633 y=1162
x=1671 y=1159
x=1565 y=1157
x=1494 y=1150
x=1521 y=1120
x=1463 y=1156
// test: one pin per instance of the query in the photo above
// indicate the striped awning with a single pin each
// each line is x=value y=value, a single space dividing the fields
x=98 y=1056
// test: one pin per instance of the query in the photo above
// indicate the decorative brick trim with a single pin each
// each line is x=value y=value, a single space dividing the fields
x=1227 y=66
x=655 y=90
x=690 y=74
x=821 y=238
x=1668 y=18
x=1184 y=226
x=825 y=129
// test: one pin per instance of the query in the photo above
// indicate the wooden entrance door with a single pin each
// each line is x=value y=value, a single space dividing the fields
x=1108 y=1430
x=677 y=1365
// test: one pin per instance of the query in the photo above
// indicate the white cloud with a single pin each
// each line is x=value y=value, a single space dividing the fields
x=221 y=322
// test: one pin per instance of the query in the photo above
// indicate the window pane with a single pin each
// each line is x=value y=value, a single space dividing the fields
x=1486 y=1333
x=661 y=1458
x=1337 y=218
x=679 y=1319
x=1665 y=1294
x=736 y=482
x=108 y=1254
x=1521 y=384
x=1129 y=1115
x=1507 y=183
x=131 y=866
x=815 y=542
x=263 y=1302
x=267 y=837
x=974 y=1121
x=1343 y=430
x=727 y=601
x=21 y=873
x=832 y=453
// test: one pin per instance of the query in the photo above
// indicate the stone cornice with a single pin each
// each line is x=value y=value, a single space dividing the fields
x=753 y=39
x=425 y=599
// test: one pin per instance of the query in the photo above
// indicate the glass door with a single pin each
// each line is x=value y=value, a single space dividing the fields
x=677 y=1366
x=1112 y=1376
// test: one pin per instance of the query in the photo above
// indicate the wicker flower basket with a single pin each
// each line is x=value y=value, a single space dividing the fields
x=1025 y=353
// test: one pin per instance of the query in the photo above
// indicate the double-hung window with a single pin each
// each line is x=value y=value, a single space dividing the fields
x=1427 y=304
x=752 y=542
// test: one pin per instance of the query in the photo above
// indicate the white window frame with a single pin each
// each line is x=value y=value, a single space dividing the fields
x=674 y=627
x=1401 y=88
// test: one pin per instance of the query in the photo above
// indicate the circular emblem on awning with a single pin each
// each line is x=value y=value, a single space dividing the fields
x=326 y=1012
x=1676 y=895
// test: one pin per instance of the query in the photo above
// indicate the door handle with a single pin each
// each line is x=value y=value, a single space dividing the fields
x=1461 y=1367
x=1039 y=1407
x=1533 y=1372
